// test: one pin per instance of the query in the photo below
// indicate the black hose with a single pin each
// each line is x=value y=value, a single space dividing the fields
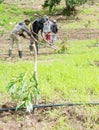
x=51 y=105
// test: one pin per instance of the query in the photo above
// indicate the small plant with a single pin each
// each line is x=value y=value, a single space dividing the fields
x=88 y=24
x=63 y=48
x=97 y=42
x=23 y=89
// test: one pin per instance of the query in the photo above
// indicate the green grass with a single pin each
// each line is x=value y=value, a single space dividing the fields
x=88 y=11
x=86 y=17
x=11 y=14
x=67 y=76
x=71 y=77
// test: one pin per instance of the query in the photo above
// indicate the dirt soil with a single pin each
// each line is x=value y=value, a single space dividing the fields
x=41 y=119
x=80 y=34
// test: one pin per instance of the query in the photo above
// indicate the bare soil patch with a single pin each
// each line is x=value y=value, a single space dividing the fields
x=75 y=117
x=83 y=33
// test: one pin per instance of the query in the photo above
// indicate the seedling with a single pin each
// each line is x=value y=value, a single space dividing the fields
x=23 y=87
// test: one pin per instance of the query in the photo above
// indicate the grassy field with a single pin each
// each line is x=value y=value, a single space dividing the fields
x=75 y=72
x=72 y=76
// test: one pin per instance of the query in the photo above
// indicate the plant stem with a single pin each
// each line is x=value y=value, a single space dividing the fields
x=35 y=68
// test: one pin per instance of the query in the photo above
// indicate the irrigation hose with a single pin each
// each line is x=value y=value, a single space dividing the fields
x=51 y=105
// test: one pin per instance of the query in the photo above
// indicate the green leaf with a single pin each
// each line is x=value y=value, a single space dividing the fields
x=25 y=98
x=10 y=85
x=30 y=97
x=23 y=87
x=20 y=105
